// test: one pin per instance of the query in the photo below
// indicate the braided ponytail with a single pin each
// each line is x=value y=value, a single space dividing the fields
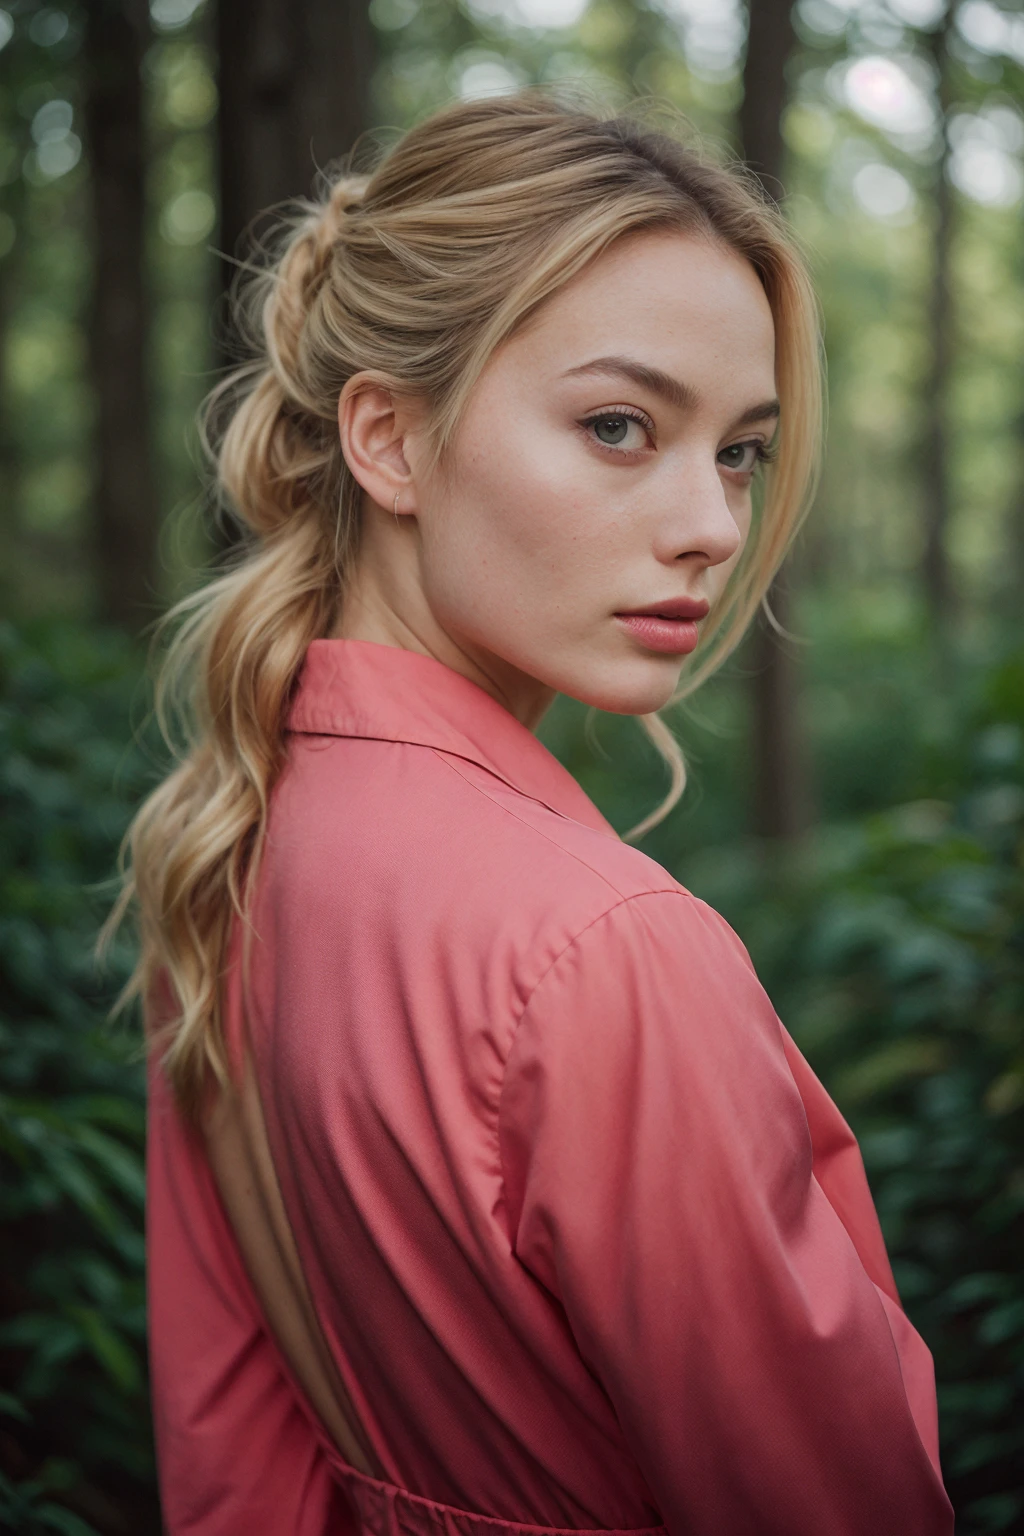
x=242 y=640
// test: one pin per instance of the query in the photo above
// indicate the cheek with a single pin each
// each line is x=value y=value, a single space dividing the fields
x=514 y=504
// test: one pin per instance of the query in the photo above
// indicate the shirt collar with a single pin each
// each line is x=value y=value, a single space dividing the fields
x=360 y=688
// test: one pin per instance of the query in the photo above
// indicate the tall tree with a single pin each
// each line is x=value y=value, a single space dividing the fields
x=294 y=84
x=294 y=94
x=935 y=478
x=125 y=519
x=10 y=455
x=782 y=793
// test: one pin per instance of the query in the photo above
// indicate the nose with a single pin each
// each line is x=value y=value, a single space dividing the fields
x=698 y=523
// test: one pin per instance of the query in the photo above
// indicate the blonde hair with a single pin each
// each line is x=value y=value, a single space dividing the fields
x=415 y=273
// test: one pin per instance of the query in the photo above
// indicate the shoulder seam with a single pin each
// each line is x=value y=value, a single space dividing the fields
x=566 y=947
x=622 y=902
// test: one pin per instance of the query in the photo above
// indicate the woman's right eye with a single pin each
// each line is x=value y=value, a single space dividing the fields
x=619 y=429
x=611 y=429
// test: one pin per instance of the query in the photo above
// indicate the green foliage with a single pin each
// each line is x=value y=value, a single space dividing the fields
x=75 y=1440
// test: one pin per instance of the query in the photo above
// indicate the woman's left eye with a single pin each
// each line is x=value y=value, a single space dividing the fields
x=741 y=458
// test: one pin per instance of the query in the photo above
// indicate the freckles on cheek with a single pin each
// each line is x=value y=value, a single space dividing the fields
x=526 y=489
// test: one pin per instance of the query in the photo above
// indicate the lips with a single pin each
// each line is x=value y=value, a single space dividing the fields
x=672 y=608
x=671 y=628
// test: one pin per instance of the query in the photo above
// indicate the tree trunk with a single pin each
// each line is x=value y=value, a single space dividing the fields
x=782 y=792
x=770 y=40
x=935 y=478
x=294 y=95
x=294 y=83
x=125 y=519
x=10 y=447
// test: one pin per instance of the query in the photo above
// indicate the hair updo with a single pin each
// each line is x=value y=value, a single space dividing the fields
x=415 y=273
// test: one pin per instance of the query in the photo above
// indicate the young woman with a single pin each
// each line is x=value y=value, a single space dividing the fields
x=486 y=1190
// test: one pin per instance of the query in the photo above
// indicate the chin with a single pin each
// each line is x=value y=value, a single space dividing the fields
x=637 y=688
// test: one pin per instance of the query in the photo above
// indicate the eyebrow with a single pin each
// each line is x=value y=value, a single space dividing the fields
x=681 y=395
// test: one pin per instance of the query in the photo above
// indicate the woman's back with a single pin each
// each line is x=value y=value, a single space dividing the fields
x=546 y=1165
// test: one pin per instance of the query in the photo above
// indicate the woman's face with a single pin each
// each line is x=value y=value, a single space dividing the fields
x=602 y=470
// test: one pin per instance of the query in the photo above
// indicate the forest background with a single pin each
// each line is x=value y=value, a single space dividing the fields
x=856 y=805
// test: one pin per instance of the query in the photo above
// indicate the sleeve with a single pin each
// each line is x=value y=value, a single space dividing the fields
x=659 y=1178
x=235 y=1451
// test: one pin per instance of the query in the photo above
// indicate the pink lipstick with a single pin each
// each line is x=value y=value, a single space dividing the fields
x=669 y=627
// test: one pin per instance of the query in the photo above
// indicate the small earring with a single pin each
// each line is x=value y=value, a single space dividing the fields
x=397 y=494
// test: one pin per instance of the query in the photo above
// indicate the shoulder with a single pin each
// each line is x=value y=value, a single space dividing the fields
x=649 y=1041
x=654 y=953
x=523 y=916
x=413 y=814
x=588 y=855
x=648 y=1028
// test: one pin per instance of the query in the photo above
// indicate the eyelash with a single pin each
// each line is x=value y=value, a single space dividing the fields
x=626 y=412
x=764 y=454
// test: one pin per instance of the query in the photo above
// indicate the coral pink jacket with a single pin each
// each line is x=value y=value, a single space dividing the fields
x=589 y=1244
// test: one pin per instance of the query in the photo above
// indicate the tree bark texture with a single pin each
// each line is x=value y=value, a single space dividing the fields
x=770 y=40
x=10 y=455
x=936 y=572
x=294 y=83
x=125 y=518
x=294 y=95
x=782 y=801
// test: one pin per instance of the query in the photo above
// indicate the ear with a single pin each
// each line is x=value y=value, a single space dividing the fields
x=374 y=424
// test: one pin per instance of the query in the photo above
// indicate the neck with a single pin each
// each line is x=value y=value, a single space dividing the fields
x=384 y=601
